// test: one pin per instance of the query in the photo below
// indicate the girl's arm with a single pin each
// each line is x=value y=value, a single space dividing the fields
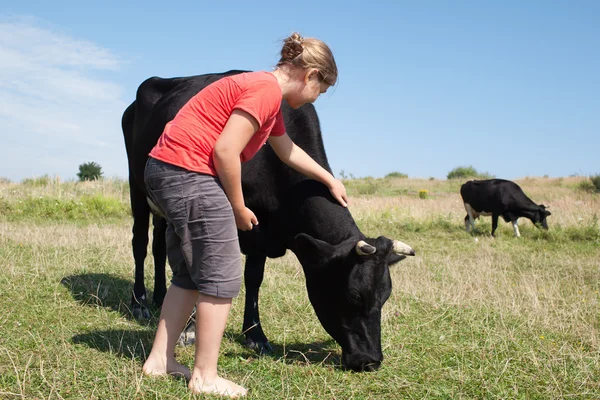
x=297 y=158
x=235 y=136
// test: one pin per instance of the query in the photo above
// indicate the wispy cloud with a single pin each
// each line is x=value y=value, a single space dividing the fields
x=52 y=98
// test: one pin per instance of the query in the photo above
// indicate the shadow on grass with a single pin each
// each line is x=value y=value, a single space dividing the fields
x=137 y=344
x=481 y=232
x=322 y=352
x=106 y=291
x=112 y=292
x=123 y=342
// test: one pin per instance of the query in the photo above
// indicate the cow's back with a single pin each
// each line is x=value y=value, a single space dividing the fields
x=495 y=195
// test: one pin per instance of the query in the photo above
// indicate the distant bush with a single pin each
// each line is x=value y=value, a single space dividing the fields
x=396 y=175
x=423 y=194
x=596 y=182
x=467 y=172
x=591 y=185
x=89 y=171
x=586 y=186
x=4 y=180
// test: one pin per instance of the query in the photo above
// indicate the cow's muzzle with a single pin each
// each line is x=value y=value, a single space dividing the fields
x=361 y=363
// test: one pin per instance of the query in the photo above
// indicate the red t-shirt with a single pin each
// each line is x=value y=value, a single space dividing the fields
x=189 y=139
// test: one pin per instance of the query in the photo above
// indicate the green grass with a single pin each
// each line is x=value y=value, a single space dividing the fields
x=470 y=317
x=86 y=207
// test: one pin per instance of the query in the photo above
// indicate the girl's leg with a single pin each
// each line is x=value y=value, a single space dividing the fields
x=175 y=312
x=211 y=318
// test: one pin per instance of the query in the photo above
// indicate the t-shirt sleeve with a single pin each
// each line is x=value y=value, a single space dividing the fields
x=279 y=127
x=261 y=100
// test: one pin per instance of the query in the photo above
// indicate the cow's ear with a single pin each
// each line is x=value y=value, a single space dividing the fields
x=311 y=251
x=394 y=258
x=544 y=211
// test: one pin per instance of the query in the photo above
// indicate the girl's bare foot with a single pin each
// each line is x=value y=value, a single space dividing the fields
x=219 y=386
x=157 y=367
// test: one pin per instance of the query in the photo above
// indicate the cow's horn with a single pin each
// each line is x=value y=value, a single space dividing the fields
x=364 y=249
x=403 y=248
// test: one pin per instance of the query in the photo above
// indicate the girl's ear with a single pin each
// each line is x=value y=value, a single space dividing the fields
x=311 y=73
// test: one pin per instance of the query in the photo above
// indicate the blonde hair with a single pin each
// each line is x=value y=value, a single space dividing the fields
x=308 y=53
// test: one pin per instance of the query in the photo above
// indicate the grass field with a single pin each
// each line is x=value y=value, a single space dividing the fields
x=470 y=317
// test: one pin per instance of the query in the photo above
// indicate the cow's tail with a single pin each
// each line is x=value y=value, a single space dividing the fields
x=127 y=122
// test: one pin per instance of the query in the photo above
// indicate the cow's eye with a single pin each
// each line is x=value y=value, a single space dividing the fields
x=354 y=296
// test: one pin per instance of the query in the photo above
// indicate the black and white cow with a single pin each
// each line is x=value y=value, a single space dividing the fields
x=347 y=274
x=499 y=197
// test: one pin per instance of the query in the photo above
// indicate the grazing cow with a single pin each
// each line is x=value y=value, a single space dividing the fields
x=499 y=197
x=347 y=274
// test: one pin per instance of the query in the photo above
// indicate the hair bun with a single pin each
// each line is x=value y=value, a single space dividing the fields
x=296 y=37
x=292 y=47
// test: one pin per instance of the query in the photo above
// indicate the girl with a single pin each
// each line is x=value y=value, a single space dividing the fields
x=194 y=175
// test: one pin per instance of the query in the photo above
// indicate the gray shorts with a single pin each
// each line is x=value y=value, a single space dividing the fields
x=202 y=240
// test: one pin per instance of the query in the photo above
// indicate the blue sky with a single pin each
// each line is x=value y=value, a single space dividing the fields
x=509 y=87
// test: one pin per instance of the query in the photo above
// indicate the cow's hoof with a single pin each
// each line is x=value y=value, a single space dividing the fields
x=260 y=347
x=140 y=312
x=139 y=307
x=158 y=301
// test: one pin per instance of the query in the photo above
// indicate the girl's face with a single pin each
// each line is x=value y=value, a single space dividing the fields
x=309 y=89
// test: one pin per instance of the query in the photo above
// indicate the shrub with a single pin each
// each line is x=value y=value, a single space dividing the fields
x=596 y=182
x=89 y=171
x=396 y=174
x=467 y=172
x=586 y=186
x=423 y=194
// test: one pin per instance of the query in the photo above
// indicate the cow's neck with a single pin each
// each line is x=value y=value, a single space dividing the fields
x=314 y=212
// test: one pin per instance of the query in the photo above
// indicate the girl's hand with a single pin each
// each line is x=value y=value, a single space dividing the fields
x=338 y=191
x=245 y=219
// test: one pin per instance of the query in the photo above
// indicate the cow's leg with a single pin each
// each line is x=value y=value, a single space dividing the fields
x=159 y=251
x=471 y=215
x=253 y=277
x=494 y=223
x=516 y=228
x=467 y=223
x=141 y=221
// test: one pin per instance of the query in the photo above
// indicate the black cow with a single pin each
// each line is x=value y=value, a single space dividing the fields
x=347 y=274
x=499 y=197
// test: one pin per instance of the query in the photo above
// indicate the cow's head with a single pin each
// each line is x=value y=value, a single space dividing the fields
x=540 y=216
x=348 y=284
